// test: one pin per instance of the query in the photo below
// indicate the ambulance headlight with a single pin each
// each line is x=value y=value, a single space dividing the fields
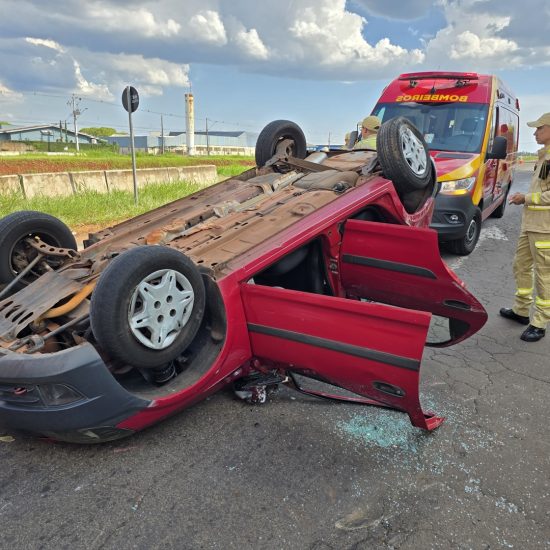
x=457 y=187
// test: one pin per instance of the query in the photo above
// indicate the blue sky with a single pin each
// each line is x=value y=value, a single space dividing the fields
x=320 y=63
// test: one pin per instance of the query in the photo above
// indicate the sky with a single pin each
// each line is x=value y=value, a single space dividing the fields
x=319 y=63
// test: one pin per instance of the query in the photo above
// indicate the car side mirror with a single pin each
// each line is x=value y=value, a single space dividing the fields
x=352 y=139
x=498 y=150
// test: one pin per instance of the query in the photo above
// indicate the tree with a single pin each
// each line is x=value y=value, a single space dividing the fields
x=101 y=131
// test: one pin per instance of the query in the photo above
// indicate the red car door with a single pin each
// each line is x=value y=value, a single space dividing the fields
x=401 y=265
x=373 y=350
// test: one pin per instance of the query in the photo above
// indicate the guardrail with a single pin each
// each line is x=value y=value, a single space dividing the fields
x=102 y=181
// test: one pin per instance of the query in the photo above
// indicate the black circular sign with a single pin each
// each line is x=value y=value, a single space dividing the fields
x=134 y=98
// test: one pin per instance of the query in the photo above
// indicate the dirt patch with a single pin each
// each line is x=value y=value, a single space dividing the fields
x=10 y=166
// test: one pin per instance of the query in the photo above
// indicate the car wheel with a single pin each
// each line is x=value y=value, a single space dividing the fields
x=16 y=254
x=467 y=243
x=499 y=212
x=403 y=155
x=281 y=137
x=147 y=306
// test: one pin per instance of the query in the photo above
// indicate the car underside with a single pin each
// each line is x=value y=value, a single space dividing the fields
x=240 y=283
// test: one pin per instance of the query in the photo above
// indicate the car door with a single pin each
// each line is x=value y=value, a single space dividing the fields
x=373 y=350
x=490 y=178
x=401 y=266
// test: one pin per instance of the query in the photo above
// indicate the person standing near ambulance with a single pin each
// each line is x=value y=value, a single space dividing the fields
x=369 y=132
x=532 y=259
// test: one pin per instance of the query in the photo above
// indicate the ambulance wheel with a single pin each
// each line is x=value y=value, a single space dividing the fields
x=466 y=245
x=404 y=155
x=281 y=138
x=16 y=253
x=147 y=306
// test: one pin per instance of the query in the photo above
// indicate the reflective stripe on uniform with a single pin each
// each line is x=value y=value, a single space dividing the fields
x=535 y=197
x=542 y=245
x=524 y=291
x=542 y=303
x=531 y=207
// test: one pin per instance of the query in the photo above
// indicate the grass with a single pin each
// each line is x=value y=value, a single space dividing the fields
x=92 y=208
x=105 y=209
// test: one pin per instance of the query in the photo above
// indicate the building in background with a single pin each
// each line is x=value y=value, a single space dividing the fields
x=215 y=142
x=43 y=132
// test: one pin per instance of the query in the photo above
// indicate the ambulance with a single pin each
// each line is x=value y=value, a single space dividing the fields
x=470 y=123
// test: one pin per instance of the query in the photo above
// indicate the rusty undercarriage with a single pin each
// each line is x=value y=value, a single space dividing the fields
x=213 y=227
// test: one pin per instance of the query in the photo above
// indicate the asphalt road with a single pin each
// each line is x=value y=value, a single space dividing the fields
x=299 y=473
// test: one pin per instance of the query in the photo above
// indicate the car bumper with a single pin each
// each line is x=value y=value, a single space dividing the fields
x=452 y=215
x=68 y=395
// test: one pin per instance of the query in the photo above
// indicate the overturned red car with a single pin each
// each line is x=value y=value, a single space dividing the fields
x=314 y=267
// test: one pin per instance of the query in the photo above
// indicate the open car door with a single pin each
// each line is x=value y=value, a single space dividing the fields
x=373 y=350
x=401 y=266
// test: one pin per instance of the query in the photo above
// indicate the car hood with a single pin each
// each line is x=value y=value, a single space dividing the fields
x=454 y=165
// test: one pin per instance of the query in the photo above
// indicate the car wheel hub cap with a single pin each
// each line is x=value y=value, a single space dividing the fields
x=160 y=308
x=471 y=233
x=413 y=152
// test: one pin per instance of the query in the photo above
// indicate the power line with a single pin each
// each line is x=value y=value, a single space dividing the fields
x=142 y=110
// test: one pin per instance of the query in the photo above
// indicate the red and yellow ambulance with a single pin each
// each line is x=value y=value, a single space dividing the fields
x=470 y=123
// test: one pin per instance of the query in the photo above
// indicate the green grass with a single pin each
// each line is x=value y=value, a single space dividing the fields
x=99 y=208
x=92 y=208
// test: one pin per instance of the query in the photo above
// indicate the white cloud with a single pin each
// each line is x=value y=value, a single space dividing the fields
x=83 y=87
x=473 y=43
x=153 y=43
x=334 y=38
x=300 y=38
x=46 y=43
x=140 y=20
x=6 y=94
x=251 y=43
x=396 y=9
x=206 y=26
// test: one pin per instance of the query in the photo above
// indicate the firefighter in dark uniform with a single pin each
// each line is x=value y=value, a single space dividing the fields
x=532 y=260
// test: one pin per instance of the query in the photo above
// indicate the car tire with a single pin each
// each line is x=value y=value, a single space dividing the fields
x=499 y=211
x=273 y=135
x=147 y=306
x=466 y=244
x=18 y=226
x=404 y=155
x=414 y=200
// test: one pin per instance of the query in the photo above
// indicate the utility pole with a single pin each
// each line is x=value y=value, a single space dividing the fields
x=161 y=135
x=75 y=107
x=207 y=139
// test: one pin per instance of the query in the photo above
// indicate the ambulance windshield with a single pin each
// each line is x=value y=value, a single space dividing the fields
x=445 y=126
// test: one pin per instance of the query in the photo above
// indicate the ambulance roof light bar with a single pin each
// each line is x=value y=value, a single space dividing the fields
x=461 y=78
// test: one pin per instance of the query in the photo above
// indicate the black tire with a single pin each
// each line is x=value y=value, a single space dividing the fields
x=415 y=200
x=466 y=244
x=397 y=140
x=15 y=254
x=273 y=134
x=499 y=212
x=114 y=299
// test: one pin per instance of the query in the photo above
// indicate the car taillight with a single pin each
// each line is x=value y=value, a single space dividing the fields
x=58 y=394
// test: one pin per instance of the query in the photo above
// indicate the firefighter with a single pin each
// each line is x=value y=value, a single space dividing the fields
x=532 y=260
x=369 y=131
x=346 y=145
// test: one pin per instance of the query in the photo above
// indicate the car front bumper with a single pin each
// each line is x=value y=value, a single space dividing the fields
x=92 y=402
x=452 y=215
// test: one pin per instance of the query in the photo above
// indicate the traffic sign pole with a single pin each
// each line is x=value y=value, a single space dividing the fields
x=132 y=149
